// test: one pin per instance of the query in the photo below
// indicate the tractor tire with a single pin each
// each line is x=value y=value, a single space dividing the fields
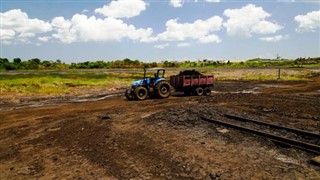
x=163 y=89
x=207 y=91
x=140 y=93
x=128 y=95
x=198 y=91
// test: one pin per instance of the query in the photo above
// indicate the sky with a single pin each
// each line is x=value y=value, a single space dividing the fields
x=157 y=30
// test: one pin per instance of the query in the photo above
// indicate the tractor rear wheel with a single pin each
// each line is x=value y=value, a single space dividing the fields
x=128 y=95
x=207 y=91
x=141 y=93
x=163 y=89
x=199 y=91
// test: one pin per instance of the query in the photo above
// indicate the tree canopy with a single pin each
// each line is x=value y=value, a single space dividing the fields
x=38 y=64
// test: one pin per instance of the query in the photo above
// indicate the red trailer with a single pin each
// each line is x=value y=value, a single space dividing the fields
x=192 y=82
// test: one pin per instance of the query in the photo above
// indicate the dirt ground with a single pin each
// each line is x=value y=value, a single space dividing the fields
x=104 y=136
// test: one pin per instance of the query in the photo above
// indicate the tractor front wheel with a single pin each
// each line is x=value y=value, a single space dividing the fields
x=163 y=89
x=141 y=93
x=129 y=95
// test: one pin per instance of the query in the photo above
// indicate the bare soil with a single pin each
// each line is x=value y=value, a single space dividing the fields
x=104 y=136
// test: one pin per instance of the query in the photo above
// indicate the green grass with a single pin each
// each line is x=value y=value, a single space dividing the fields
x=263 y=77
x=40 y=83
x=55 y=83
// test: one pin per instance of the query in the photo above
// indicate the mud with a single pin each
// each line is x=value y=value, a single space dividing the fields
x=104 y=136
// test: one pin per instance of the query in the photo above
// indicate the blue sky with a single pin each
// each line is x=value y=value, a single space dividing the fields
x=77 y=31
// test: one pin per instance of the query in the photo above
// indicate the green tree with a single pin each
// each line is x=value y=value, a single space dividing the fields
x=16 y=60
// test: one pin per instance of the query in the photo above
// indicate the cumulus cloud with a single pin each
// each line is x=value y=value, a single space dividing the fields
x=274 y=38
x=44 y=38
x=309 y=22
x=198 y=30
x=91 y=29
x=209 y=39
x=183 y=44
x=17 y=27
x=176 y=3
x=213 y=1
x=161 y=46
x=63 y=30
x=85 y=11
x=122 y=8
x=249 y=20
x=304 y=1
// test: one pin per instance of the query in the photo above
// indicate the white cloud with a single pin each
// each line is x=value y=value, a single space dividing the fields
x=85 y=11
x=44 y=38
x=274 y=38
x=91 y=29
x=309 y=22
x=304 y=1
x=63 y=29
x=161 y=46
x=209 y=39
x=7 y=34
x=183 y=44
x=213 y=1
x=249 y=20
x=198 y=30
x=176 y=3
x=17 y=27
x=122 y=8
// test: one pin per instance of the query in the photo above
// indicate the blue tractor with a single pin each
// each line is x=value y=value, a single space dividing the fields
x=156 y=86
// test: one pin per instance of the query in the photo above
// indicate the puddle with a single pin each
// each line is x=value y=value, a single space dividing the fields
x=92 y=99
x=249 y=91
x=32 y=103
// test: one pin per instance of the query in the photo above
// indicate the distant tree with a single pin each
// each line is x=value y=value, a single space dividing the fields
x=16 y=60
x=46 y=63
x=165 y=63
x=4 y=60
x=32 y=64
x=10 y=66
x=58 y=61
x=154 y=64
x=127 y=61
x=35 y=60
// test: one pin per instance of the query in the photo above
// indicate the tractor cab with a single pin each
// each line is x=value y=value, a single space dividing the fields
x=159 y=75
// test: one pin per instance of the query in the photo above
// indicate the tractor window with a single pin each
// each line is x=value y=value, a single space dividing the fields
x=160 y=73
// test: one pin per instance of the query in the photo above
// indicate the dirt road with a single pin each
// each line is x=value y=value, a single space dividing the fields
x=108 y=137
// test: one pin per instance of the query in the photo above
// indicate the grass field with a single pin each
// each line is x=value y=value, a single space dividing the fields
x=54 y=84
x=44 y=83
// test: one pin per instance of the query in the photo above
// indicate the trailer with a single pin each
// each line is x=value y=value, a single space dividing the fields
x=192 y=82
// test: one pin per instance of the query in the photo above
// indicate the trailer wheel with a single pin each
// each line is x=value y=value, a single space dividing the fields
x=199 y=91
x=128 y=95
x=163 y=89
x=141 y=93
x=207 y=91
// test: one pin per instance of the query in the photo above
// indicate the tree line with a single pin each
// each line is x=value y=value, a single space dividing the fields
x=38 y=64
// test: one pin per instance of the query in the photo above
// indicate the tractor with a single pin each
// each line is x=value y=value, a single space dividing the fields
x=156 y=87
